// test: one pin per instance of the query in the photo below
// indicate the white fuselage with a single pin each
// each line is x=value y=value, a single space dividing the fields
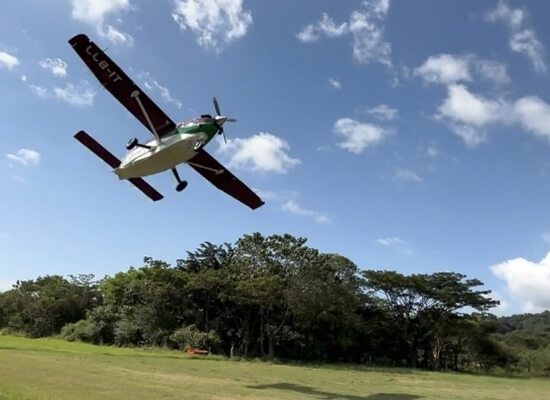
x=172 y=150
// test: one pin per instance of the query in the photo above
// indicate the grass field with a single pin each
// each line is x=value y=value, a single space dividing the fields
x=55 y=369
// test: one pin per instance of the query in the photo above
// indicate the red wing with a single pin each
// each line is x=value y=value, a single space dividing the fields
x=95 y=147
x=224 y=180
x=120 y=85
x=146 y=189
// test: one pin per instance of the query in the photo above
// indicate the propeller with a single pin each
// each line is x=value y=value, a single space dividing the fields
x=220 y=120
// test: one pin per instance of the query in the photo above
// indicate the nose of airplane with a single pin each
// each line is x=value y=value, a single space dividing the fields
x=220 y=120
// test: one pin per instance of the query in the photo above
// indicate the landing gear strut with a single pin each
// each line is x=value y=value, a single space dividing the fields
x=181 y=184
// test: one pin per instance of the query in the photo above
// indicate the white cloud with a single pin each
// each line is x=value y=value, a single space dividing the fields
x=260 y=152
x=365 y=26
x=383 y=112
x=335 y=84
x=407 y=175
x=463 y=106
x=216 y=22
x=396 y=244
x=389 y=241
x=357 y=136
x=117 y=37
x=545 y=236
x=491 y=70
x=527 y=282
x=56 y=66
x=293 y=207
x=513 y=18
x=308 y=34
x=469 y=114
x=325 y=26
x=153 y=85
x=523 y=38
x=23 y=78
x=444 y=69
x=267 y=194
x=8 y=61
x=503 y=308
x=78 y=95
x=534 y=115
x=448 y=69
x=40 y=91
x=94 y=12
x=26 y=157
x=368 y=33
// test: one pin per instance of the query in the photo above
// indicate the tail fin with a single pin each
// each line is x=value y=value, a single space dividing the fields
x=100 y=151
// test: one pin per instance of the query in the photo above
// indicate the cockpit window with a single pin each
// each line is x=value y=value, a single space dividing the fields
x=202 y=118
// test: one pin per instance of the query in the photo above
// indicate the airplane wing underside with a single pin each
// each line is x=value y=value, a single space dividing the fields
x=113 y=78
x=224 y=180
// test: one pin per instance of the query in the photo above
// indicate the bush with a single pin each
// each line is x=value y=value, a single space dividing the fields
x=102 y=323
x=191 y=336
x=77 y=331
x=127 y=333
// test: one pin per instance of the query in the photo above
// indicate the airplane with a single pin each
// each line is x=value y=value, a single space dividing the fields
x=172 y=144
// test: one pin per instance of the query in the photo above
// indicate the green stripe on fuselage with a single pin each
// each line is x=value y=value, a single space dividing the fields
x=208 y=128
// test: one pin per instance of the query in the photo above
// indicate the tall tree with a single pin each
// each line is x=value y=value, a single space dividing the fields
x=416 y=304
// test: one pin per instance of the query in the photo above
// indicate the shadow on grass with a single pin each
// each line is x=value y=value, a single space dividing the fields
x=335 y=396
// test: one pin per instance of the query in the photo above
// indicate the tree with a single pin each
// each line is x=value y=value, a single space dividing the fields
x=419 y=304
x=41 y=307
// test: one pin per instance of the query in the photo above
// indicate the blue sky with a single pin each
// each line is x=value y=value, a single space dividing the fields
x=405 y=135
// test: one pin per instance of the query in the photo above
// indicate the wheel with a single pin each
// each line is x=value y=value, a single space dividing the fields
x=131 y=143
x=182 y=185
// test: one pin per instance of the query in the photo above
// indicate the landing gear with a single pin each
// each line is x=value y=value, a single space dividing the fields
x=181 y=184
x=131 y=143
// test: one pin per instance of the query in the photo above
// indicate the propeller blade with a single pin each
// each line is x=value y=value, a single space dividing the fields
x=222 y=132
x=231 y=120
x=217 y=107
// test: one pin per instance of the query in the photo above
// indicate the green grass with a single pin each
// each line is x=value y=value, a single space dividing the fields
x=55 y=369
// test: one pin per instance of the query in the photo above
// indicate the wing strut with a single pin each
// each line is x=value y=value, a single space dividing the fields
x=223 y=179
x=135 y=95
x=214 y=170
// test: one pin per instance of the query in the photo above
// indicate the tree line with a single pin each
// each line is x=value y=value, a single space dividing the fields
x=272 y=297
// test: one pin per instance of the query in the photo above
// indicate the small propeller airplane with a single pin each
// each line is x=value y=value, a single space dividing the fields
x=172 y=143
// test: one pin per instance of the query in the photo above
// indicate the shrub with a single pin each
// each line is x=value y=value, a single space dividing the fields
x=127 y=333
x=77 y=331
x=191 y=336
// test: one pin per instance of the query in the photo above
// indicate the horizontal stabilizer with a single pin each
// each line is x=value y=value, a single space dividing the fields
x=147 y=189
x=100 y=151
x=96 y=148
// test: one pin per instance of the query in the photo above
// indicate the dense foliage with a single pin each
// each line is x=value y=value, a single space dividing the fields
x=276 y=297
